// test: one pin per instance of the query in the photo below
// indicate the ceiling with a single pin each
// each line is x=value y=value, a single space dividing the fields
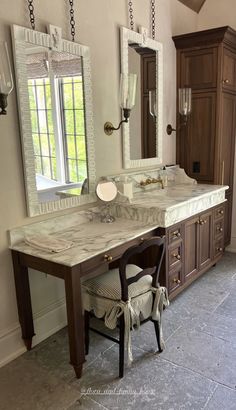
x=195 y=5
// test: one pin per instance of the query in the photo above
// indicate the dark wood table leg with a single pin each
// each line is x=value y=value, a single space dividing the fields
x=75 y=319
x=23 y=300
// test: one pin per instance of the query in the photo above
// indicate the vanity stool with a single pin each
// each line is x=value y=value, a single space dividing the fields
x=126 y=296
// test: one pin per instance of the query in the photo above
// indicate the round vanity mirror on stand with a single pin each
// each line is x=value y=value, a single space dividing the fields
x=106 y=191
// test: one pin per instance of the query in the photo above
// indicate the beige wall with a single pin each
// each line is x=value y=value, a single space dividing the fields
x=98 y=24
x=217 y=13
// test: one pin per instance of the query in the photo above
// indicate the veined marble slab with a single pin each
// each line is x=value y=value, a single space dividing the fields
x=90 y=236
x=170 y=205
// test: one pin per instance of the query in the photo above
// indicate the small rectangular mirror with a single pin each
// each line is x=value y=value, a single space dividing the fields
x=55 y=104
x=142 y=136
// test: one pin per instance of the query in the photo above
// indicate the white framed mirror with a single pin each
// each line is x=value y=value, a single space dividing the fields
x=56 y=116
x=142 y=136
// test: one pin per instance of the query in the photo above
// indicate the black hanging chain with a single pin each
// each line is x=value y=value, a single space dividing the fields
x=131 y=15
x=72 y=19
x=153 y=18
x=31 y=11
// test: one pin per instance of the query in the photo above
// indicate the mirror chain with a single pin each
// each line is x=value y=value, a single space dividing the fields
x=131 y=15
x=153 y=18
x=31 y=11
x=72 y=19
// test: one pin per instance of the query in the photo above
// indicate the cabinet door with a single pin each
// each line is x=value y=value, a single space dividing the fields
x=205 y=239
x=227 y=142
x=199 y=68
x=229 y=70
x=197 y=139
x=191 y=248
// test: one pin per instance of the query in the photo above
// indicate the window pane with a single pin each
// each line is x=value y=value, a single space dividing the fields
x=68 y=96
x=71 y=146
x=54 y=168
x=44 y=144
x=32 y=101
x=72 y=170
x=48 y=97
x=46 y=167
x=79 y=121
x=82 y=170
x=42 y=121
x=36 y=144
x=81 y=147
x=69 y=122
x=38 y=165
x=52 y=145
x=50 y=122
x=41 y=98
x=78 y=93
x=34 y=121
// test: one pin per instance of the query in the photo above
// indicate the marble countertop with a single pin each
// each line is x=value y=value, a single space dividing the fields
x=90 y=238
x=170 y=205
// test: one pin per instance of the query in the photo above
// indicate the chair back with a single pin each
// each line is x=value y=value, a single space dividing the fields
x=153 y=270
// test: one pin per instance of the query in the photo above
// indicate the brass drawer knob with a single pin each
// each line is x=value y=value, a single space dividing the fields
x=177 y=256
x=221 y=212
x=176 y=280
x=219 y=229
x=108 y=258
x=201 y=222
x=219 y=249
x=176 y=234
x=226 y=81
x=141 y=239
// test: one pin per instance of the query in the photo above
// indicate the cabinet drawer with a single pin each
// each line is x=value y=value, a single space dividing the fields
x=219 y=212
x=174 y=234
x=174 y=280
x=174 y=255
x=218 y=247
x=219 y=229
x=100 y=263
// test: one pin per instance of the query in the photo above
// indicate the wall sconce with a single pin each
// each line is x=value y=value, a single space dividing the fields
x=185 y=106
x=6 y=81
x=128 y=84
x=152 y=103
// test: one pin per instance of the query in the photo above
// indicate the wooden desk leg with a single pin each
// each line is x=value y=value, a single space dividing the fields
x=23 y=300
x=75 y=319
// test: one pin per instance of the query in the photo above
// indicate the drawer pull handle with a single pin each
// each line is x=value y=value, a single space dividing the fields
x=219 y=229
x=226 y=81
x=108 y=258
x=141 y=239
x=219 y=249
x=175 y=280
x=201 y=222
x=177 y=256
x=221 y=212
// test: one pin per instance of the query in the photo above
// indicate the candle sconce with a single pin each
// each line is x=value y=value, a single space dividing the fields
x=185 y=107
x=6 y=81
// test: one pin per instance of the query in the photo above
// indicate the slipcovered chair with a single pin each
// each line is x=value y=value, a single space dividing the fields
x=127 y=296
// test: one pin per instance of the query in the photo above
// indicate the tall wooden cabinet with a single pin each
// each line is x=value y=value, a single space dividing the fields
x=206 y=62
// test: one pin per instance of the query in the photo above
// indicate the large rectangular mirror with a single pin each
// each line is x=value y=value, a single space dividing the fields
x=55 y=106
x=142 y=136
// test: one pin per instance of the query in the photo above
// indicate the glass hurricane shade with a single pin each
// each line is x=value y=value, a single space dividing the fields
x=185 y=100
x=152 y=103
x=128 y=83
x=6 y=81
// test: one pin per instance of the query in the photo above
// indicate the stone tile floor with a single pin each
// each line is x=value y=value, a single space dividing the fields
x=196 y=371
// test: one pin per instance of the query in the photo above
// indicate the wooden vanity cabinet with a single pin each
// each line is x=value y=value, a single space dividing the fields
x=193 y=246
x=206 y=62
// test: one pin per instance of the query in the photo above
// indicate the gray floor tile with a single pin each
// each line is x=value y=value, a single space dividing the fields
x=212 y=357
x=26 y=385
x=150 y=383
x=86 y=403
x=222 y=399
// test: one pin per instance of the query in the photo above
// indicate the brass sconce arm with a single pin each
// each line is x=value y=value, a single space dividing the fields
x=108 y=126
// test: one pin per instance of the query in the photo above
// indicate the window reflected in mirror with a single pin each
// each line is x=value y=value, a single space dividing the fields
x=56 y=101
x=142 y=61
